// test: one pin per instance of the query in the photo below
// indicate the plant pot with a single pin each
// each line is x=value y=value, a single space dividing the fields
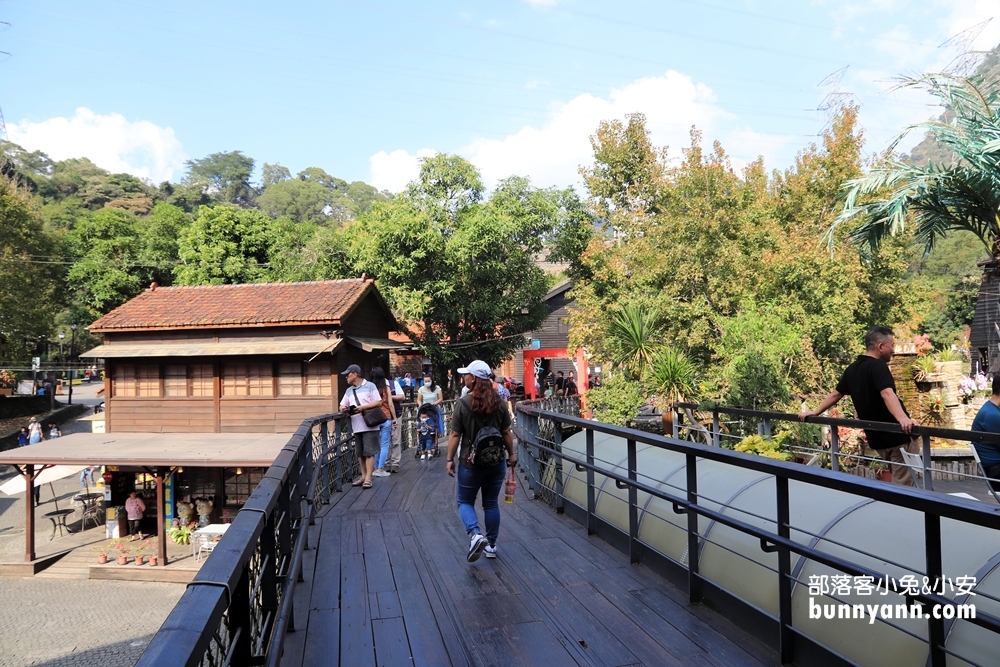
x=154 y=560
x=123 y=560
x=884 y=475
x=102 y=558
x=139 y=560
x=668 y=423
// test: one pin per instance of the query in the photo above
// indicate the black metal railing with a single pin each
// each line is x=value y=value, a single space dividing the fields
x=238 y=607
x=684 y=422
x=546 y=464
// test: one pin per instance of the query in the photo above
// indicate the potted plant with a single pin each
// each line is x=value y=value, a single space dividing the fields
x=140 y=550
x=151 y=545
x=7 y=382
x=122 y=549
x=881 y=471
x=672 y=378
x=181 y=533
x=102 y=553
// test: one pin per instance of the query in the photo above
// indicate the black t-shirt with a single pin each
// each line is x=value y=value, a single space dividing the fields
x=864 y=381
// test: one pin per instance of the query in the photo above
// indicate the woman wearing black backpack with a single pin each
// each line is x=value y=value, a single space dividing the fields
x=481 y=464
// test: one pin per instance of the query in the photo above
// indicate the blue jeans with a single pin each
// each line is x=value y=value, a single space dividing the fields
x=427 y=441
x=385 y=436
x=470 y=482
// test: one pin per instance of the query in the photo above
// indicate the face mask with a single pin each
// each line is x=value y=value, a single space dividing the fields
x=427 y=383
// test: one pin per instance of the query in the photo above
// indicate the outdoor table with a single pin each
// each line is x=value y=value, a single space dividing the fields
x=58 y=519
x=212 y=529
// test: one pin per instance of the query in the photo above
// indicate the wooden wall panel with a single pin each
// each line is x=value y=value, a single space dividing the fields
x=162 y=416
x=266 y=415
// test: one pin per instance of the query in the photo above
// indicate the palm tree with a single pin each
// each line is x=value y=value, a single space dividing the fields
x=939 y=198
x=632 y=339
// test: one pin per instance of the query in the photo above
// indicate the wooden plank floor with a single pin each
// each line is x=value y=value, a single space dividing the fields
x=387 y=583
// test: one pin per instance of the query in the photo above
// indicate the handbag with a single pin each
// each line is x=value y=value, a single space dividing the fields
x=372 y=416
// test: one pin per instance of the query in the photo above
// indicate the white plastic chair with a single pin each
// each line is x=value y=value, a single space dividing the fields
x=205 y=544
x=914 y=462
x=982 y=469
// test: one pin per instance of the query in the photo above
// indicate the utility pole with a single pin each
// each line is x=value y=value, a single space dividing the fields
x=72 y=342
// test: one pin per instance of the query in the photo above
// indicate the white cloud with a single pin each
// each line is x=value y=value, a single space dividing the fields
x=541 y=3
x=551 y=154
x=110 y=141
x=393 y=171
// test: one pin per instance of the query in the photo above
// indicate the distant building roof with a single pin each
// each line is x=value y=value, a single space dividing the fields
x=558 y=289
x=257 y=304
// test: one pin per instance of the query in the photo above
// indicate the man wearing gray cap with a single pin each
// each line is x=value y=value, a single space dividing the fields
x=361 y=395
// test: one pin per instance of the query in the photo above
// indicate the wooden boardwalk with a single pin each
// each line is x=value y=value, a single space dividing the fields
x=387 y=583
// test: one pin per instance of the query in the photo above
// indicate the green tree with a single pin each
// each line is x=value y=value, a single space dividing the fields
x=458 y=271
x=106 y=272
x=303 y=201
x=158 y=242
x=223 y=176
x=29 y=296
x=273 y=173
x=226 y=245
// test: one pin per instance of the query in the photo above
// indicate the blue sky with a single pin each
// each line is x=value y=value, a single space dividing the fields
x=363 y=89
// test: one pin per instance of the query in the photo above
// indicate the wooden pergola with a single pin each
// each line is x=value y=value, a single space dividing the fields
x=158 y=453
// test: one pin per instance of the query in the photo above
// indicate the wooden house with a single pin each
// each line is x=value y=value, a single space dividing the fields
x=253 y=358
x=548 y=346
x=984 y=337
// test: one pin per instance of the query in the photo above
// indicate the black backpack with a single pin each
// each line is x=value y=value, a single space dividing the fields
x=487 y=449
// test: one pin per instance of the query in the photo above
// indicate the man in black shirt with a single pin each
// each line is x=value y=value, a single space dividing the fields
x=873 y=391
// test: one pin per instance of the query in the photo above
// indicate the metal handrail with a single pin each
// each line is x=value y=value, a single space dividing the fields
x=239 y=606
x=934 y=508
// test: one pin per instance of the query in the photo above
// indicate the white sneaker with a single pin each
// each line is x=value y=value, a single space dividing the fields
x=476 y=547
x=380 y=473
x=423 y=457
x=491 y=551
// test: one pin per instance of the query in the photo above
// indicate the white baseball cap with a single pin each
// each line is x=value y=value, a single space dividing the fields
x=478 y=368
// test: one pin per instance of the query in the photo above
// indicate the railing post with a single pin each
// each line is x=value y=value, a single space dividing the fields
x=785 y=634
x=694 y=578
x=324 y=459
x=269 y=562
x=557 y=445
x=591 y=492
x=239 y=621
x=834 y=449
x=338 y=458
x=716 y=430
x=767 y=428
x=534 y=467
x=674 y=427
x=284 y=529
x=633 y=505
x=932 y=547
x=925 y=456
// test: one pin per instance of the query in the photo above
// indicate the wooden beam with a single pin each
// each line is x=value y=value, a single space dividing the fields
x=29 y=512
x=161 y=519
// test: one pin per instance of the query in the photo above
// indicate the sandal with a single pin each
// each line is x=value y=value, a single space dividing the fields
x=366 y=485
x=357 y=482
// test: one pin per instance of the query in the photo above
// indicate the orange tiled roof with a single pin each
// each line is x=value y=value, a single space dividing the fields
x=318 y=302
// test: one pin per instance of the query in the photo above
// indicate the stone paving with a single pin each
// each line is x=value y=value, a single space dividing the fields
x=66 y=623
x=62 y=622
x=12 y=507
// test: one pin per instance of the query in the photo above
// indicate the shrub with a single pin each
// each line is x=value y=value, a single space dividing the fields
x=617 y=401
